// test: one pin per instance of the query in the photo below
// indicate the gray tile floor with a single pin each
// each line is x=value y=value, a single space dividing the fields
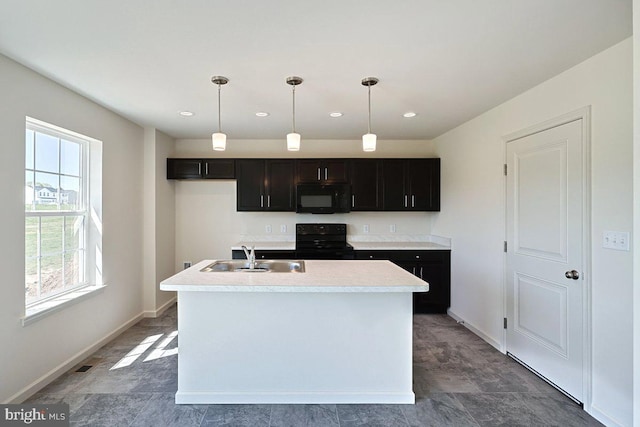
x=459 y=380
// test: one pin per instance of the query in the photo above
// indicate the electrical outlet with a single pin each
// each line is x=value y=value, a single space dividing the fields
x=365 y=228
x=392 y=228
x=283 y=228
x=267 y=228
x=186 y=264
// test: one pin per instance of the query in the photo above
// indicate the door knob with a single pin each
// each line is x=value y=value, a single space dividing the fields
x=573 y=274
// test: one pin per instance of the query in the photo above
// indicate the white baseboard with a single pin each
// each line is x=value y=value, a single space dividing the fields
x=158 y=312
x=603 y=418
x=475 y=330
x=294 y=397
x=56 y=372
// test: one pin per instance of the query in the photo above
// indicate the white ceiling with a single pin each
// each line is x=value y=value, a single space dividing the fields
x=446 y=60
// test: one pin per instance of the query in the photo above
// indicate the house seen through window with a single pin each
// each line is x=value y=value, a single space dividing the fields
x=56 y=211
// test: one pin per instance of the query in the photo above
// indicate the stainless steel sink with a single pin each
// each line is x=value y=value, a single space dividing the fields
x=261 y=266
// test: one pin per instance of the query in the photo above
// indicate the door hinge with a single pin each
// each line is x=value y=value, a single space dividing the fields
x=505 y=169
x=505 y=246
x=505 y=323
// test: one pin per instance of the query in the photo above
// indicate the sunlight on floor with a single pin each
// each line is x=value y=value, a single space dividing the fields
x=158 y=352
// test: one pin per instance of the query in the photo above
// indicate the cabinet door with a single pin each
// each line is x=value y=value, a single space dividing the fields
x=309 y=170
x=280 y=185
x=184 y=168
x=435 y=268
x=334 y=170
x=322 y=170
x=394 y=195
x=250 y=190
x=219 y=169
x=366 y=191
x=417 y=185
x=423 y=183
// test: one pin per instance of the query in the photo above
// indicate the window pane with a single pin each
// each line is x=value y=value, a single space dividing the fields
x=73 y=274
x=31 y=258
x=47 y=153
x=70 y=158
x=46 y=194
x=69 y=192
x=51 y=235
x=73 y=233
x=51 y=267
x=28 y=153
x=29 y=195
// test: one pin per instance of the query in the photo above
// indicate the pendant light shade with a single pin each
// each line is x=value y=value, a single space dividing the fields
x=369 y=139
x=369 y=142
x=219 y=139
x=293 y=139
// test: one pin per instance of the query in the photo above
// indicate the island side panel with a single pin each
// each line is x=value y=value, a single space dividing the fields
x=267 y=347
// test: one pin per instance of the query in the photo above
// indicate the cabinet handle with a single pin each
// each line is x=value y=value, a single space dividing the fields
x=370 y=256
x=326 y=173
x=199 y=168
x=413 y=200
x=414 y=271
x=318 y=174
x=405 y=200
x=421 y=272
x=261 y=201
x=269 y=201
x=353 y=200
x=206 y=168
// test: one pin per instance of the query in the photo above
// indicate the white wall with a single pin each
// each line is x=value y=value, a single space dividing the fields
x=34 y=353
x=159 y=221
x=207 y=224
x=636 y=209
x=473 y=212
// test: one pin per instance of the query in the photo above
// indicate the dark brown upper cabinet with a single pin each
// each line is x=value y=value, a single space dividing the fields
x=322 y=171
x=265 y=185
x=411 y=184
x=200 y=168
x=366 y=184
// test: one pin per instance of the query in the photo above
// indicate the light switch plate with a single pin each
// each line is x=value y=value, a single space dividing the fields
x=283 y=228
x=267 y=228
x=617 y=240
x=365 y=228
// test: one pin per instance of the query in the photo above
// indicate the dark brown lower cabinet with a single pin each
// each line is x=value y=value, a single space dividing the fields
x=432 y=266
x=265 y=254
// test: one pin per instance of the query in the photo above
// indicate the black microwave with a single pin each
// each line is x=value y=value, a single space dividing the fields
x=323 y=199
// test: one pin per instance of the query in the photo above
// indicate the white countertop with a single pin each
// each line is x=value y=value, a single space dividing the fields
x=319 y=276
x=359 y=242
x=416 y=246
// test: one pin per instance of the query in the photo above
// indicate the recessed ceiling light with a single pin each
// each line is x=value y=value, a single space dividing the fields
x=186 y=113
x=335 y=114
x=262 y=114
x=409 y=114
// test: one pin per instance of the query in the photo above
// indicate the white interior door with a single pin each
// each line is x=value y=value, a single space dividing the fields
x=544 y=271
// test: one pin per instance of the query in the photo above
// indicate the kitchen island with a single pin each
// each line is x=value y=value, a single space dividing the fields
x=341 y=332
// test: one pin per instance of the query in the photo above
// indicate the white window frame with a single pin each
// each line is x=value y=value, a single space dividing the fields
x=89 y=282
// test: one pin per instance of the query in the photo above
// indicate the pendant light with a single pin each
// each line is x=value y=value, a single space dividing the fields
x=219 y=139
x=369 y=139
x=293 y=138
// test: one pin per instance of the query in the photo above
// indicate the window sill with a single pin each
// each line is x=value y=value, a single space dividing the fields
x=44 y=309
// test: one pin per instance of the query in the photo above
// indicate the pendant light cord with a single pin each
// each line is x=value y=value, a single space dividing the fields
x=369 y=126
x=219 y=128
x=294 y=109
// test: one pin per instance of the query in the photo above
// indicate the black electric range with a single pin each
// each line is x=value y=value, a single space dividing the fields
x=322 y=241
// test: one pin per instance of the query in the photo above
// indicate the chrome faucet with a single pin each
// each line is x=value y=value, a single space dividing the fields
x=251 y=256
